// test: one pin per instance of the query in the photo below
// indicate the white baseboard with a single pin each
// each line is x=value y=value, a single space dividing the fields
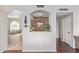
x=39 y=51
x=2 y=51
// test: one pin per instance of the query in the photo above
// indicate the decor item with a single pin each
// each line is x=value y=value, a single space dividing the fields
x=39 y=24
x=25 y=21
x=46 y=27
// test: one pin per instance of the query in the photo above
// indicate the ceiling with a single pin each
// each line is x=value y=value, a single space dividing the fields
x=61 y=14
x=14 y=14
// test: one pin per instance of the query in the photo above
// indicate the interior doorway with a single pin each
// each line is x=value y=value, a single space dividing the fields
x=15 y=31
x=64 y=24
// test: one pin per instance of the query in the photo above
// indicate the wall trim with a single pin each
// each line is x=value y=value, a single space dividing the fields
x=39 y=51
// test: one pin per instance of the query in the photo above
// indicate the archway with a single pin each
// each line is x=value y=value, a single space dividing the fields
x=40 y=21
x=15 y=30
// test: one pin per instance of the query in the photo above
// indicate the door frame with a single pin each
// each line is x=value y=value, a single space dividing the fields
x=21 y=32
x=71 y=26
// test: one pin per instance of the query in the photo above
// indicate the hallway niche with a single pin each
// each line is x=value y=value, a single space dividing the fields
x=39 y=21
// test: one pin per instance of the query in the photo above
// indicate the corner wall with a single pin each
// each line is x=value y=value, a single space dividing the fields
x=40 y=41
x=3 y=32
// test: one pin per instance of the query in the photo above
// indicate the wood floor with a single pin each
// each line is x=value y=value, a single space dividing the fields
x=62 y=47
x=15 y=41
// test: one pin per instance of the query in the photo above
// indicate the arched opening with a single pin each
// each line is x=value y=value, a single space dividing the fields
x=40 y=21
x=14 y=26
x=14 y=30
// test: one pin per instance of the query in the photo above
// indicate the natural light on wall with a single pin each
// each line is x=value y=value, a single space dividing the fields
x=14 y=26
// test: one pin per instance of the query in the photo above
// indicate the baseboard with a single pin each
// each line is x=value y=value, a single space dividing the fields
x=2 y=51
x=72 y=46
x=39 y=51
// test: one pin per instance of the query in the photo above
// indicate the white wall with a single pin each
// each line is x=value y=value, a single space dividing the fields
x=57 y=28
x=76 y=23
x=3 y=32
x=40 y=41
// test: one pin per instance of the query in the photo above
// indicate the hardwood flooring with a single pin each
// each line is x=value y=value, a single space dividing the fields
x=15 y=41
x=63 y=47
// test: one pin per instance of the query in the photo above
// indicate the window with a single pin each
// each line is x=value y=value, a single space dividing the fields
x=14 y=25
